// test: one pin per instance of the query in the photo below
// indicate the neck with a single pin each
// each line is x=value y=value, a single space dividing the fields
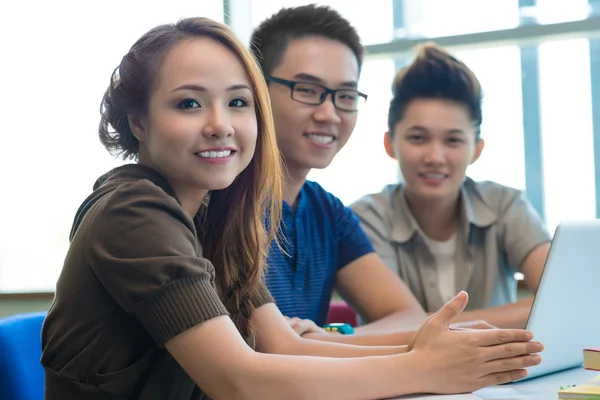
x=293 y=181
x=438 y=219
x=191 y=198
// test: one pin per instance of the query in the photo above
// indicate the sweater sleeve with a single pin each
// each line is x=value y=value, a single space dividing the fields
x=143 y=248
x=262 y=297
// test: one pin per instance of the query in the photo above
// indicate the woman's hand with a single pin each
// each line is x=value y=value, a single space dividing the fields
x=461 y=361
x=468 y=325
x=302 y=326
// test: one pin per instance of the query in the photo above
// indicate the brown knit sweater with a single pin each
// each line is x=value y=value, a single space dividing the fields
x=133 y=278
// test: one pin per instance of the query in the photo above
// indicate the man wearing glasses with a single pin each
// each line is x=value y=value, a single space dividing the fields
x=311 y=58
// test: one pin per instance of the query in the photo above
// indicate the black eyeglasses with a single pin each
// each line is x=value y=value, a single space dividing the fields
x=315 y=94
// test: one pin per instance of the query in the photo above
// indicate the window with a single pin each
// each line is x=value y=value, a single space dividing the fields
x=567 y=133
x=499 y=72
x=430 y=18
x=553 y=11
x=60 y=66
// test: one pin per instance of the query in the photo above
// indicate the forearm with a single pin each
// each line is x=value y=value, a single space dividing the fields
x=383 y=338
x=340 y=346
x=513 y=315
x=216 y=357
x=405 y=320
x=297 y=377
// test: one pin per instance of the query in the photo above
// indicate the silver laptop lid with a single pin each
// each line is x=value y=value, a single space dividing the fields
x=565 y=315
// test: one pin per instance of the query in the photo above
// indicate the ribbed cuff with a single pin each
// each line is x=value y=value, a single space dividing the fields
x=179 y=306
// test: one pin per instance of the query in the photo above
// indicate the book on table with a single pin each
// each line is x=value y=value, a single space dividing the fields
x=589 y=390
x=591 y=359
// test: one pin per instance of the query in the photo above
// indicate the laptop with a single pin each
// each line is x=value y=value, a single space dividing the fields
x=565 y=315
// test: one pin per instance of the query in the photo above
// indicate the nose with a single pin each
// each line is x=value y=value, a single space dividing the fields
x=435 y=153
x=326 y=111
x=218 y=124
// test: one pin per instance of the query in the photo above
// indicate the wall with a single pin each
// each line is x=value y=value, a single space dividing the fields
x=15 y=304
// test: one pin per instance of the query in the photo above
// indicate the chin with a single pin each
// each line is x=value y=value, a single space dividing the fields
x=319 y=163
x=217 y=185
x=433 y=195
x=425 y=193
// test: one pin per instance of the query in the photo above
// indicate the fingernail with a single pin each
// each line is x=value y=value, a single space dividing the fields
x=539 y=346
x=523 y=373
x=536 y=359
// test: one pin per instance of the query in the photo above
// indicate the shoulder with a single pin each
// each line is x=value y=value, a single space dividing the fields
x=498 y=197
x=376 y=205
x=317 y=194
x=139 y=198
x=143 y=209
x=328 y=208
x=376 y=211
x=321 y=203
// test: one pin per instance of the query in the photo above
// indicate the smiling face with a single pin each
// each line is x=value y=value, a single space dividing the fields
x=434 y=142
x=310 y=136
x=200 y=129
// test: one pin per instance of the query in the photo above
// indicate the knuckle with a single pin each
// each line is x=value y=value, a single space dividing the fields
x=532 y=347
x=471 y=340
x=451 y=308
x=528 y=348
x=515 y=375
x=502 y=378
x=509 y=348
x=502 y=336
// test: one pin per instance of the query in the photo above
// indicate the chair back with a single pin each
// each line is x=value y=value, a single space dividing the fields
x=21 y=374
x=340 y=311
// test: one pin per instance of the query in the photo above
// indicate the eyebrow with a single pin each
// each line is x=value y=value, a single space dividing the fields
x=199 y=88
x=423 y=129
x=312 y=78
x=455 y=131
x=417 y=128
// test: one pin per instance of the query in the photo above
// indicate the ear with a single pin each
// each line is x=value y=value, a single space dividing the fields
x=478 y=149
x=388 y=143
x=138 y=127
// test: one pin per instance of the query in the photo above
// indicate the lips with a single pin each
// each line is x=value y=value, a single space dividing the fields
x=215 y=154
x=433 y=175
x=321 y=138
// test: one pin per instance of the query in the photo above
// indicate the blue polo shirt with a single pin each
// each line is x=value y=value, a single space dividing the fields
x=319 y=238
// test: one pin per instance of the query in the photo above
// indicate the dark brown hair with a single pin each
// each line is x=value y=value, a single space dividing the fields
x=435 y=74
x=241 y=220
x=270 y=40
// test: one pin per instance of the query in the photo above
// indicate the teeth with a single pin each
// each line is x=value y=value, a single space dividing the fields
x=215 y=154
x=320 y=138
x=434 y=176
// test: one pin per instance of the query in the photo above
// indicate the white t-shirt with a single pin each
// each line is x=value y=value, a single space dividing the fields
x=444 y=254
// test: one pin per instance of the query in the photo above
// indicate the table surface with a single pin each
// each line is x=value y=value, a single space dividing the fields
x=540 y=388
